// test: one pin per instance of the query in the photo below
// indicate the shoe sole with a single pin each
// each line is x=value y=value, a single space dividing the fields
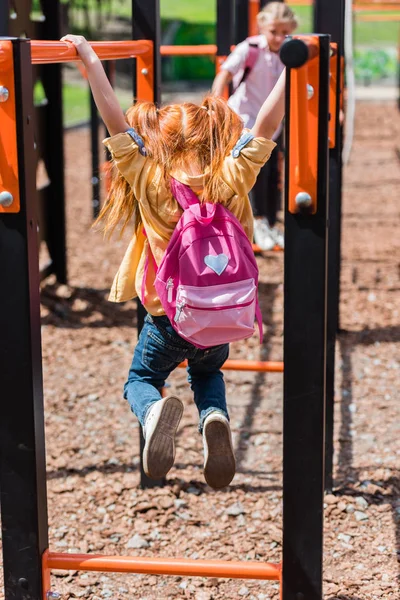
x=159 y=450
x=220 y=466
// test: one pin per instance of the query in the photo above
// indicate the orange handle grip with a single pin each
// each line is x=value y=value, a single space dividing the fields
x=47 y=52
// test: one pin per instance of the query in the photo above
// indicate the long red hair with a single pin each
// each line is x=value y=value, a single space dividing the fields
x=175 y=135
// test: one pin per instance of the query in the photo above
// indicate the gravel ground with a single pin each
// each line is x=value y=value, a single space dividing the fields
x=95 y=503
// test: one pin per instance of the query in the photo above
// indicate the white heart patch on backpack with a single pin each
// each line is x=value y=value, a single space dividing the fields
x=218 y=263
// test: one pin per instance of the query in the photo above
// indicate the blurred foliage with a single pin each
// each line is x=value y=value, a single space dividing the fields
x=191 y=67
x=371 y=65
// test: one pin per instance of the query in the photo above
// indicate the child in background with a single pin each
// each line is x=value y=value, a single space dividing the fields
x=254 y=68
x=205 y=148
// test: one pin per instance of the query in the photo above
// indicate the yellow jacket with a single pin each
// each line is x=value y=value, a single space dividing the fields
x=160 y=211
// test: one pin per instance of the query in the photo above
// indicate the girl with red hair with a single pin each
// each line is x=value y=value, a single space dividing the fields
x=204 y=147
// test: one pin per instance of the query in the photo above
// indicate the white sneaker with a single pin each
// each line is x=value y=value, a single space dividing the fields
x=262 y=234
x=277 y=236
x=159 y=432
x=219 y=459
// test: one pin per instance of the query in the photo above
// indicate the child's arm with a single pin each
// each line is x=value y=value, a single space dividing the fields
x=223 y=79
x=103 y=93
x=272 y=111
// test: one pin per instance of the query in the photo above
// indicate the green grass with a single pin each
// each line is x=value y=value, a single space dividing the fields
x=370 y=33
x=191 y=11
x=76 y=102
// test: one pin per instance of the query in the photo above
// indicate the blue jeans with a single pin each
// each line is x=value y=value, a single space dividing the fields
x=158 y=352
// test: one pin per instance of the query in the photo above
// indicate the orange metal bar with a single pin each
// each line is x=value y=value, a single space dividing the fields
x=163 y=566
x=342 y=69
x=9 y=187
x=257 y=249
x=200 y=50
x=249 y=365
x=220 y=61
x=312 y=45
x=299 y=82
x=47 y=52
x=357 y=6
x=386 y=7
x=380 y=18
x=333 y=95
x=303 y=119
x=254 y=9
x=46 y=582
x=145 y=77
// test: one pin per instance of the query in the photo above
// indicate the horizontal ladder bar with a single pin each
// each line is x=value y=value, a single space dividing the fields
x=198 y=50
x=49 y=52
x=259 y=366
x=163 y=566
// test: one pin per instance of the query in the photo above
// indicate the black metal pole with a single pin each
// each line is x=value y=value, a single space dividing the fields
x=22 y=451
x=4 y=17
x=241 y=20
x=329 y=19
x=225 y=22
x=146 y=24
x=94 y=142
x=53 y=155
x=305 y=284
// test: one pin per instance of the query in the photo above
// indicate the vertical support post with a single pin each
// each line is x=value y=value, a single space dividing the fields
x=4 y=17
x=241 y=20
x=54 y=141
x=94 y=142
x=305 y=368
x=146 y=25
x=254 y=9
x=22 y=451
x=329 y=18
x=225 y=22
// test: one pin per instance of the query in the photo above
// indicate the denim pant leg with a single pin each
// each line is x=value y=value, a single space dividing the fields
x=207 y=381
x=155 y=356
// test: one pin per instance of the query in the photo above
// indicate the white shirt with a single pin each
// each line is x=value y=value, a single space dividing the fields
x=248 y=98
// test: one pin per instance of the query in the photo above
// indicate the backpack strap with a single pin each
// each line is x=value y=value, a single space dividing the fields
x=259 y=321
x=187 y=200
x=251 y=59
x=183 y=194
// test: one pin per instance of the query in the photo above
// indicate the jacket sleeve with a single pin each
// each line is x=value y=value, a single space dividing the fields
x=127 y=156
x=242 y=166
x=239 y=174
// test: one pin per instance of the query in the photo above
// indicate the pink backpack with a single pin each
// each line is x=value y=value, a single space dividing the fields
x=207 y=280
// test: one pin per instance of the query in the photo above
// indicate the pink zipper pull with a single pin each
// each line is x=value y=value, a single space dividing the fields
x=170 y=287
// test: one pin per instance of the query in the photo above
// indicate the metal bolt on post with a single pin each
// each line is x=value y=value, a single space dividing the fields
x=6 y=199
x=310 y=91
x=4 y=93
x=303 y=200
x=145 y=71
